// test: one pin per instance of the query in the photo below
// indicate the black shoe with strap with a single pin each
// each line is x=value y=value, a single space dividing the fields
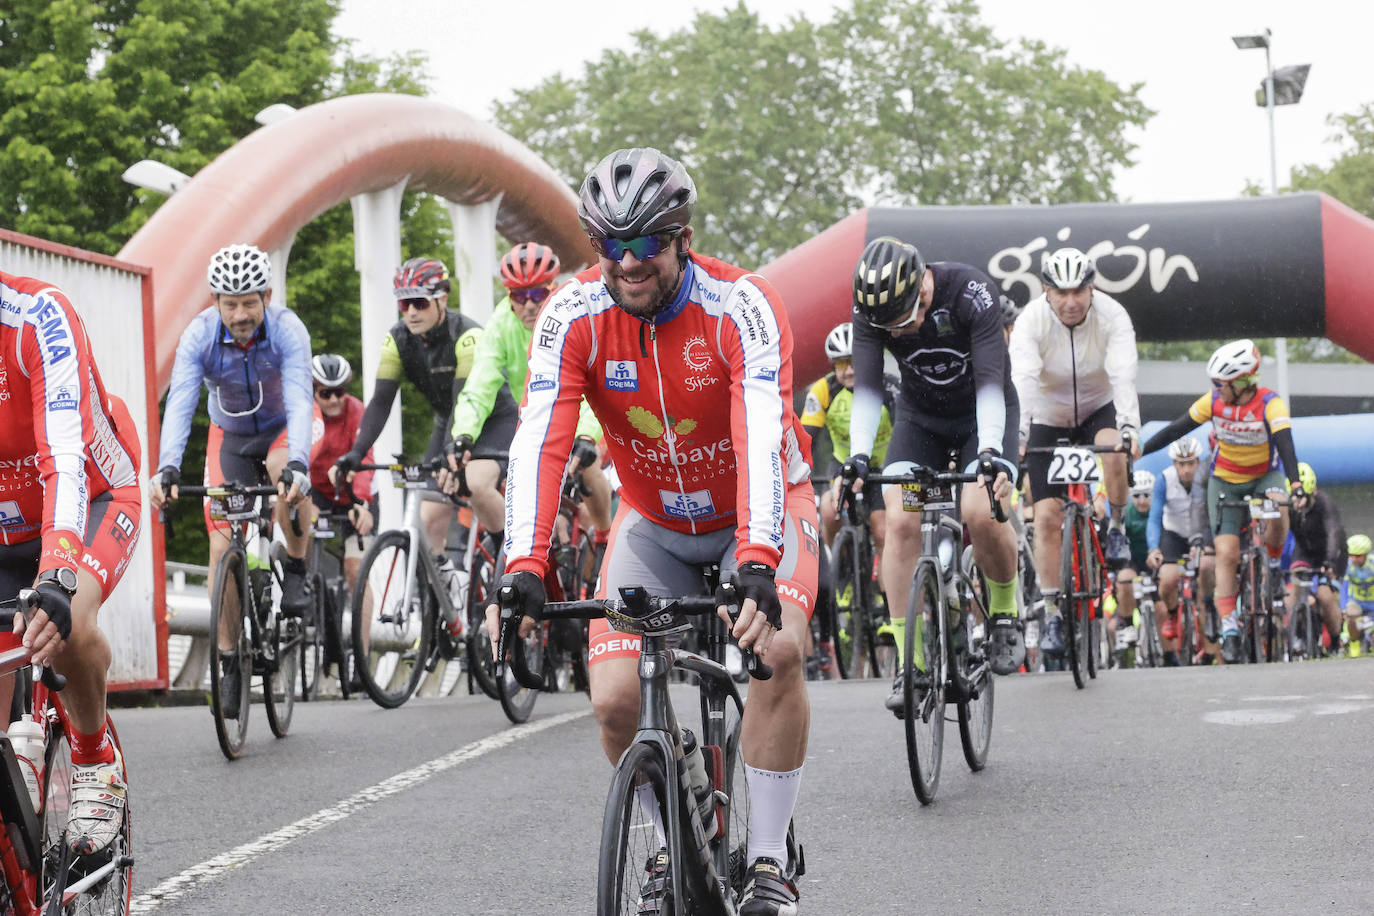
x=295 y=590
x=656 y=890
x=1006 y=646
x=769 y=890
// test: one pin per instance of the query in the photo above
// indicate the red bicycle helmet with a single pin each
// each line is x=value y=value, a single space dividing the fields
x=528 y=264
x=421 y=278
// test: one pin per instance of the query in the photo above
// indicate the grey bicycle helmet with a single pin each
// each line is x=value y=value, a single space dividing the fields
x=331 y=370
x=635 y=192
x=887 y=280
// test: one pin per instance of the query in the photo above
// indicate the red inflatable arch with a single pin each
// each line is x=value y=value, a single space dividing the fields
x=1295 y=265
x=279 y=178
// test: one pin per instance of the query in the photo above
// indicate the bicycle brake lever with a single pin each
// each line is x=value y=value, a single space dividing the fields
x=507 y=635
x=27 y=603
x=728 y=595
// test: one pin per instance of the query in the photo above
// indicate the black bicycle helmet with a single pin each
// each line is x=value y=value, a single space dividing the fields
x=634 y=192
x=887 y=280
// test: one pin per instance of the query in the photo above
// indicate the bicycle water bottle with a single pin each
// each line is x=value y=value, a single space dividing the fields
x=456 y=583
x=945 y=549
x=26 y=737
x=694 y=766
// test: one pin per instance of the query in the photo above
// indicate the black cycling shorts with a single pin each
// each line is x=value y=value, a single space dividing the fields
x=931 y=448
x=1038 y=466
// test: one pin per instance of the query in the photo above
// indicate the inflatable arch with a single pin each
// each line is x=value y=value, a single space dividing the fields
x=268 y=185
x=1295 y=265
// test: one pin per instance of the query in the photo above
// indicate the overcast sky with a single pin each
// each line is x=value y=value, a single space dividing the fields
x=1207 y=138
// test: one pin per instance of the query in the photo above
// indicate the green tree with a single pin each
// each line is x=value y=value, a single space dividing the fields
x=86 y=89
x=1350 y=178
x=788 y=129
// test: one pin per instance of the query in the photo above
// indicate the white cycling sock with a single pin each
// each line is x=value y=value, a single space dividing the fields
x=772 y=798
x=649 y=803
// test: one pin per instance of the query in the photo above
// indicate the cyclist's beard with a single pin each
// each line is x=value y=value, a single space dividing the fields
x=644 y=303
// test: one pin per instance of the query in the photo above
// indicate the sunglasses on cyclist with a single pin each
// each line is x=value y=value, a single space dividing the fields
x=841 y=364
x=897 y=326
x=326 y=394
x=643 y=247
x=1239 y=383
x=418 y=305
x=536 y=295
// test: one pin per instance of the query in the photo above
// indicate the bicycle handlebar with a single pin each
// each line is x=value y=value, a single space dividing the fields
x=644 y=606
x=920 y=474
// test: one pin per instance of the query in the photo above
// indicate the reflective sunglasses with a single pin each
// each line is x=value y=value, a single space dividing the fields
x=1239 y=383
x=915 y=314
x=326 y=394
x=418 y=305
x=841 y=364
x=536 y=295
x=643 y=247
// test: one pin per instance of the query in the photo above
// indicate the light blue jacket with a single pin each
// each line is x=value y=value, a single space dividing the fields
x=252 y=391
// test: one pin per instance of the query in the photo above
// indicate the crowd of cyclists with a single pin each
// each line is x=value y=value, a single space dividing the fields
x=661 y=379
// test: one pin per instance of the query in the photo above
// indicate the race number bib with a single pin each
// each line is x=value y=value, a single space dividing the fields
x=918 y=497
x=1073 y=465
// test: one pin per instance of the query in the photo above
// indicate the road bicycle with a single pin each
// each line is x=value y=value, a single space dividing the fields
x=404 y=621
x=704 y=814
x=1140 y=645
x=328 y=642
x=1081 y=561
x=267 y=644
x=38 y=871
x=945 y=655
x=1305 y=619
x=1259 y=603
x=860 y=611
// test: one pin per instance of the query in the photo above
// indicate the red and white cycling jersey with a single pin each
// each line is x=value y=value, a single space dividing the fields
x=696 y=409
x=65 y=441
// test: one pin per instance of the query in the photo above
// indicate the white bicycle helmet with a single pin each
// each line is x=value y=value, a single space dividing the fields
x=1067 y=268
x=1143 y=482
x=1185 y=449
x=331 y=370
x=236 y=270
x=839 y=343
x=1234 y=360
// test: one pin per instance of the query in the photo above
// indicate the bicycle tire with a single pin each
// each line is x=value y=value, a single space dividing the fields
x=282 y=643
x=628 y=837
x=923 y=712
x=1150 y=639
x=481 y=586
x=336 y=644
x=112 y=896
x=404 y=628
x=311 y=665
x=1187 y=635
x=1069 y=585
x=1090 y=594
x=975 y=716
x=232 y=574
x=848 y=632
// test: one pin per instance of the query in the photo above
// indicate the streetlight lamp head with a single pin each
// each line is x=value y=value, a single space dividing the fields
x=155 y=176
x=1246 y=42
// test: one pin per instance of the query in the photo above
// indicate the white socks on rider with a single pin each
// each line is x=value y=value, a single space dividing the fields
x=648 y=803
x=772 y=798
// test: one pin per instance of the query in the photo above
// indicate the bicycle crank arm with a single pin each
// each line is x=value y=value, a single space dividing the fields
x=100 y=874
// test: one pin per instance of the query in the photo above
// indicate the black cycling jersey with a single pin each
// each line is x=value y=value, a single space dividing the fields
x=1319 y=535
x=437 y=363
x=953 y=368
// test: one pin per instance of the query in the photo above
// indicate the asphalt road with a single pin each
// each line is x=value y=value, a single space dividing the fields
x=1182 y=791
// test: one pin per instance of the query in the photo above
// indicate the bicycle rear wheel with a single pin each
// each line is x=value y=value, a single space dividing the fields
x=630 y=840
x=336 y=647
x=481 y=591
x=282 y=645
x=312 y=641
x=111 y=895
x=231 y=600
x=923 y=692
x=391 y=640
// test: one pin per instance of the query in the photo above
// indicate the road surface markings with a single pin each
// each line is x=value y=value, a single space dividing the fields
x=182 y=884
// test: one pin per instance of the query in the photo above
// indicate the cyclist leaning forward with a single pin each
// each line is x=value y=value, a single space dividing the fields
x=254 y=357
x=69 y=513
x=433 y=347
x=658 y=339
x=943 y=323
x=1319 y=544
x=1254 y=435
x=529 y=272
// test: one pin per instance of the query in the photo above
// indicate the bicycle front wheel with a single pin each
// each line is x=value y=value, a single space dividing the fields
x=850 y=636
x=230 y=602
x=481 y=592
x=1070 y=584
x=923 y=691
x=112 y=895
x=393 y=621
x=636 y=812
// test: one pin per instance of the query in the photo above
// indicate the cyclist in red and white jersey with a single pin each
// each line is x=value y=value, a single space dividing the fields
x=69 y=513
x=686 y=362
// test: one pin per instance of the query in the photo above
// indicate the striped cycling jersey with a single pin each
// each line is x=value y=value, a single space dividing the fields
x=66 y=439
x=1244 y=433
x=696 y=407
x=1358 y=584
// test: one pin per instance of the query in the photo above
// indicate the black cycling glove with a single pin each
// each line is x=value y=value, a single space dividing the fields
x=53 y=601
x=584 y=450
x=756 y=581
x=856 y=468
x=168 y=477
x=296 y=473
x=526 y=593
